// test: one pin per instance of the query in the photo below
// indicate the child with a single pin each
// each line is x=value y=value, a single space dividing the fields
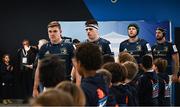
x=88 y=59
x=120 y=90
x=148 y=84
x=160 y=66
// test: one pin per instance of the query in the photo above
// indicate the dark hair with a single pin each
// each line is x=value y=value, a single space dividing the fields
x=89 y=56
x=107 y=58
x=91 y=21
x=118 y=71
x=147 y=61
x=75 y=41
x=162 y=30
x=54 y=24
x=52 y=70
x=26 y=40
x=134 y=25
x=161 y=64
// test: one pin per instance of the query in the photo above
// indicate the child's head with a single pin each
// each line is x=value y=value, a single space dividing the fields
x=118 y=71
x=52 y=97
x=147 y=61
x=107 y=58
x=88 y=57
x=51 y=70
x=106 y=75
x=125 y=56
x=160 y=65
x=132 y=69
x=75 y=91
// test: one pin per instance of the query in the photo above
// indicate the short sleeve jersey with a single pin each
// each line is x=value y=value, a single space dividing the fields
x=63 y=50
x=137 y=49
x=165 y=50
x=104 y=46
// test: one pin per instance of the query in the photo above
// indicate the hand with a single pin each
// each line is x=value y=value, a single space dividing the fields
x=174 y=78
x=29 y=66
x=35 y=92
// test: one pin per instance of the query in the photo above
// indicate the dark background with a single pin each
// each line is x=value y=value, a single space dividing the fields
x=28 y=19
x=177 y=38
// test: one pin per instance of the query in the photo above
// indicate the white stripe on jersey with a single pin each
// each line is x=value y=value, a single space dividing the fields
x=148 y=47
x=174 y=48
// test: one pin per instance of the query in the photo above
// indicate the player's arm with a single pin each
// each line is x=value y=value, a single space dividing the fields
x=36 y=81
x=175 y=59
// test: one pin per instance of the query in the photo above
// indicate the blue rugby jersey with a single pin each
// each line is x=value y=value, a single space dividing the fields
x=63 y=50
x=104 y=46
x=165 y=50
x=137 y=49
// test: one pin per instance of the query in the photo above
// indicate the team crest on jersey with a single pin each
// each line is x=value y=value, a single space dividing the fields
x=138 y=47
x=166 y=49
x=63 y=50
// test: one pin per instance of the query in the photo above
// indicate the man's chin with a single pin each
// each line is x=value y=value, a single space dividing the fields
x=132 y=36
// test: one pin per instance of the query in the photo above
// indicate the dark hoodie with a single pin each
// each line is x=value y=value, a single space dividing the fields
x=125 y=95
x=164 y=96
x=95 y=90
x=145 y=89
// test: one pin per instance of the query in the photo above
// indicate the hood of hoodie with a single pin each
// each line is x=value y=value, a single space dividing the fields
x=96 y=80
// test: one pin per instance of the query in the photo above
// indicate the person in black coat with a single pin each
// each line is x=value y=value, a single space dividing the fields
x=6 y=82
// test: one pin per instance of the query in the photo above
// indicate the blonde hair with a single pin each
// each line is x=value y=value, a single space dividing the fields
x=132 y=69
x=161 y=64
x=52 y=97
x=125 y=56
x=74 y=90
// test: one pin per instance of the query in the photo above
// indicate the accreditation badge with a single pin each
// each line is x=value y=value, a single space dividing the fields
x=138 y=48
x=24 y=60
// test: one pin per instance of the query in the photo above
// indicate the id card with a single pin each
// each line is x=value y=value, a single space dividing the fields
x=24 y=60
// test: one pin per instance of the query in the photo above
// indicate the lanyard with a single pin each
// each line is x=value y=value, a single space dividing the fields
x=24 y=52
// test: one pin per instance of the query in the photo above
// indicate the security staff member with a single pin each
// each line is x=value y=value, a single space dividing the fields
x=93 y=37
x=134 y=45
x=55 y=46
x=166 y=50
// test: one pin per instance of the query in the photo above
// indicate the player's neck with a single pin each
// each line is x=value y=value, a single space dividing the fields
x=133 y=39
x=94 y=39
x=89 y=74
x=161 y=41
x=57 y=41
